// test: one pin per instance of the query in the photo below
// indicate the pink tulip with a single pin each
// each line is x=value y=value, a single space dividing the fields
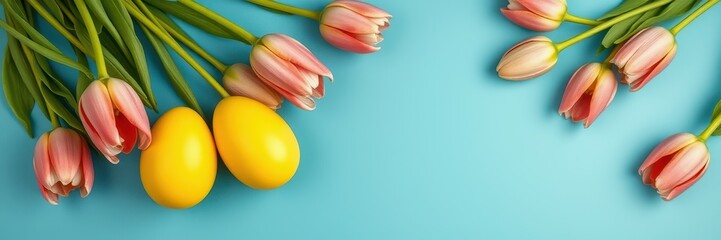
x=114 y=118
x=287 y=66
x=528 y=59
x=354 y=26
x=588 y=93
x=240 y=80
x=645 y=55
x=63 y=163
x=536 y=15
x=675 y=164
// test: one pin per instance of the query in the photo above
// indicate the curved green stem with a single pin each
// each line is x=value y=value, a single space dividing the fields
x=574 y=19
x=249 y=37
x=182 y=38
x=715 y=123
x=608 y=59
x=700 y=10
x=289 y=9
x=607 y=24
x=175 y=46
x=94 y=39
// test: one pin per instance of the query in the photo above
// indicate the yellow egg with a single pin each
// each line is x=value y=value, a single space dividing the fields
x=255 y=143
x=178 y=169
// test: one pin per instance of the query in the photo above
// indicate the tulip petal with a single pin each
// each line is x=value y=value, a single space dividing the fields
x=108 y=153
x=528 y=59
x=582 y=108
x=551 y=9
x=293 y=51
x=628 y=49
x=669 y=146
x=682 y=187
x=42 y=163
x=88 y=172
x=277 y=71
x=684 y=165
x=651 y=47
x=302 y=101
x=128 y=103
x=344 y=41
x=530 y=20
x=52 y=198
x=98 y=117
x=349 y=21
x=361 y=8
x=319 y=91
x=660 y=66
x=580 y=82
x=128 y=133
x=240 y=80
x=64 y=149
x=603 y=93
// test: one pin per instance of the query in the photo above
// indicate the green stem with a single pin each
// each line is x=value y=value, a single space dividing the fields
x=693 y=16
x=289 y=9
x=610 y=23
x=94 y=39
x=715 y=123
x=182 y=38
x=175 y=46
x=574 y=19
x=249 y=37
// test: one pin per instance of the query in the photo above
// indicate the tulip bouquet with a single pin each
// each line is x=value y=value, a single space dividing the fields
x=107 y=106
x=637 y=51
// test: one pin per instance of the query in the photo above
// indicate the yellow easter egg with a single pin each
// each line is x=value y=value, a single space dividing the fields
x=178 y=169
x=255 y=143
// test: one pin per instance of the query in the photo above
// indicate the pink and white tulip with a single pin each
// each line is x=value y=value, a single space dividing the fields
x=590 y=90
x=290 y=68
x=114 y=118
x=675 y=164
x=644 y=56
x=536 y=15
x=240 y=80
x=354 y=26
x=528 y=59
x=63 y=163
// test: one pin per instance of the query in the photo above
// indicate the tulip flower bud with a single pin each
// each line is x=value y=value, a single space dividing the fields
x=289 y=68
x=675 y=164
x=240 y=80
x=536 y=15
x=63 y=163
x=353 y=26
x=114 y=118
x=644 y=56
x=588 y=93
x=528 y=59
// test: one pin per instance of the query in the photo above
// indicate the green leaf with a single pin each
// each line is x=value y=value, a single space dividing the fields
x=18 y=96
x=618 y=31
x=171 y=69
x=53 y=82
x=194 y=18
x=83 y=81
x=51 y=53
x=164 y=18
x=624 y=7
x=98 y=11
x=124 y=23
x=54 y=8
x=23 y=70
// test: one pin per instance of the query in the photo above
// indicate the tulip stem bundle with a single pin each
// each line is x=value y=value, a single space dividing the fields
x=607 y=24
x=691 y=17
x=176 y=47
x=316 y=15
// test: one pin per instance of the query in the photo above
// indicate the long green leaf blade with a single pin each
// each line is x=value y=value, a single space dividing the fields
x=18 y=96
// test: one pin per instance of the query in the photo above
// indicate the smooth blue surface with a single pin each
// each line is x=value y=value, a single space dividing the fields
x=418 y=141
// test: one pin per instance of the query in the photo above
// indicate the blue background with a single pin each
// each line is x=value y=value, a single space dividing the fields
x=421 y=140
